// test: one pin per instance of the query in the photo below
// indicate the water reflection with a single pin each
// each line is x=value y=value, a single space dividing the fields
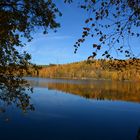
x=99 y=90
x=62 y=116
x=14 y=92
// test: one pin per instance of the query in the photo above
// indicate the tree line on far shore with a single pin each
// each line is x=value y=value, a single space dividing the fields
x=92 y=69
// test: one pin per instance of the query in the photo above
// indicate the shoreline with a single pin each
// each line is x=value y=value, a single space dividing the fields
x=83 y=79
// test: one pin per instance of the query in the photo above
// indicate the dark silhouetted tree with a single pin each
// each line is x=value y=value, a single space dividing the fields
x=111 y=23
x=18 y=18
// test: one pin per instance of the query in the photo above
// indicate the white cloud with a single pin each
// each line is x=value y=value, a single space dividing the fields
x=51 y=36
x=58 y=37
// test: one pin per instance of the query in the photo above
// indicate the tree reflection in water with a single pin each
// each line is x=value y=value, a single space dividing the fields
x=99 y=90
x=13 y=91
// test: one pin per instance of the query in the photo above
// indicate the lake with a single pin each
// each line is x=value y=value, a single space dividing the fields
x=74 y=110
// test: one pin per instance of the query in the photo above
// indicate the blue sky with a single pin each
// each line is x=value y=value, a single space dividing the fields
x=58 y=47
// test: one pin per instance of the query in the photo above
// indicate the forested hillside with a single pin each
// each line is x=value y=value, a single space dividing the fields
x=94 y=69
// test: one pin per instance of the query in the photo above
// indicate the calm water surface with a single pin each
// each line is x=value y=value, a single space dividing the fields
x=75 y=110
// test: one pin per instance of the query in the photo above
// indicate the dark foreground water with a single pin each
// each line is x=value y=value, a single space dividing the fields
x=75 y=110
